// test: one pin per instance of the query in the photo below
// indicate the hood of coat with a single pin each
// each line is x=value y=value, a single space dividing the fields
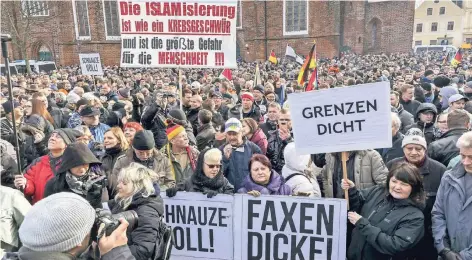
x=77 y=154
x=294 y=162
x=152 y=201
x=273 y=186
x=258 y=136
x=426 y=107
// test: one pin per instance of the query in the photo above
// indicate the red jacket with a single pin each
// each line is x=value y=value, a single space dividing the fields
x=260 y=140
x=37 y=174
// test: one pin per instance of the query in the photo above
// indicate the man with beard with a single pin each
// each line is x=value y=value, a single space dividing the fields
x=186 y=96
x=273 y=114
x=106 y=94
x=249 y=109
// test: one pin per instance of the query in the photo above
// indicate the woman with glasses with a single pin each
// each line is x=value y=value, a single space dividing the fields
x=208 y=177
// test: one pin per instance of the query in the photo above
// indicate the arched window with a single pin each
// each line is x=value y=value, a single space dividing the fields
x=374 y=33
x=44 y=54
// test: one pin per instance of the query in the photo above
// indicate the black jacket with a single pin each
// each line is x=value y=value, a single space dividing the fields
x=268 y=127
x=58 y=116
x=432 y=172
x=395 y=151
x=275 y=150
x=388 y=229
x=108 y=161
x=154 y=119
x=142 y=239
x=192 y=117
x=254 y=113
x=405 y=117
x=428 y=129
x=205 y=136
x=410 y=106
x=444 y=149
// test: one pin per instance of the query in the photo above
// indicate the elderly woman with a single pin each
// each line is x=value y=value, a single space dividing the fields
x=115 y=145
x=254 y=134
x=130 y=130
x=138 y=192
x=79 y=167
x=388 y=219
x=208 y=177
x=262 y=179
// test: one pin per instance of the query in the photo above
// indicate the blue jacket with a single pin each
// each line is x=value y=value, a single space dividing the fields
x=98 y=132
x=236 y=168
x=452 y=224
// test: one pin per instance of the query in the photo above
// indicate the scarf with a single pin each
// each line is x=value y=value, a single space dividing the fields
x=77 y=184
x=113 y=151
x=192 y=159
x=201 y=181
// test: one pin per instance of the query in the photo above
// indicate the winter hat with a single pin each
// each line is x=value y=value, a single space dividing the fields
x=8 y=108
x=247 y=95
x=89 y=111
x=118 y=105
x=143 y=140
x=457 y=97
x=174 y=130
x=426 y=86
x=259 y=88
x=77 y=154
x=124 y=92
x=441 y=81
x=114 y=118
x=414 y=139
x=233 y=125
x=68 y=135
x=227 y=96
x=57 y=223
x=72 y=98
x=177 y=116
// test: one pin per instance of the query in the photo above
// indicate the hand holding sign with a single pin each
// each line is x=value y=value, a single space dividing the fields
x=353 y=217
x=347 y=184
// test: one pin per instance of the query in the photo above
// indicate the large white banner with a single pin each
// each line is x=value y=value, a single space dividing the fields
x=203 y=228
x=267 y=227
x=177 y=33
x=90 y=64
x=282 y=227
x=342 y=119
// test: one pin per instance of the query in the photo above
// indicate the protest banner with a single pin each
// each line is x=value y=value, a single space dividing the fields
x=173 y=33
x=90 y=64
x=203 y=228
x=342 y=119
x=282 y=227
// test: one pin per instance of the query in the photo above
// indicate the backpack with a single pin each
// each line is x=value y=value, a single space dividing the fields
x=164 y=243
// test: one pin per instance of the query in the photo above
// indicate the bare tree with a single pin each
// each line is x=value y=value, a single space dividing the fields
x=19 y=17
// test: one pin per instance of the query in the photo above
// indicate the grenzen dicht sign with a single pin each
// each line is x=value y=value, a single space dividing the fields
x=342 y=119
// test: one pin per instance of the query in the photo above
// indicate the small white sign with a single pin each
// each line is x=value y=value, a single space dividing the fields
x=90 y=64
x=342 y=119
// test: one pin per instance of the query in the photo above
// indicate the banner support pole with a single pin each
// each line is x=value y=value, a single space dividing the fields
x=344 y=160
x=180 y=89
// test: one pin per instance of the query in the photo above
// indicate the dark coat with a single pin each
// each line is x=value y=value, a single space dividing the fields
x=108 y=162
x=268 y=127
x=388 y=229
x=117 y=253
x=405 y=117
x=429 y=130
x=153 y=119
x=275 y=150
x=60 y=121
x=142 y=239
x=236 y=168
x=395 y=151
x=192 y=117
x=444 y=149
x=254 y=113
x=205 y=136
x=260 y=139
x=410 y=106
x=276 y=186
x=432 y=172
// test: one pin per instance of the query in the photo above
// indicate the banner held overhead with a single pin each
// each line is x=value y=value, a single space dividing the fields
x=185 y=34
x=90 y=64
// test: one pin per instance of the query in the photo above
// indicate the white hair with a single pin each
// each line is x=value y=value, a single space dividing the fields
x=396 y=122
x=465 y=141
x=141 y=178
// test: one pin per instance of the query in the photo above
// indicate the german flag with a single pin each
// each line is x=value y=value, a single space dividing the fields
x=272 y=57
x=303 y=74
x=457 y=59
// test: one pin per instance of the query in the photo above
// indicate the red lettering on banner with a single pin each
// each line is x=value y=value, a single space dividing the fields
x=183 y=58
x=128 y=8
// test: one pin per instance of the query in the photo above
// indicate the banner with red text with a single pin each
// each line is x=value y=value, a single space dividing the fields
x=185 y=34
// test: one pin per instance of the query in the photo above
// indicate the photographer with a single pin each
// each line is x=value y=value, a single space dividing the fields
x=138 y=191
x=59 y=227
x=79 y=173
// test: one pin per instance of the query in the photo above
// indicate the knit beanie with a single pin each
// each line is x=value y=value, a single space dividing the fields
x=178 y=116
x=124 y=92
x=259 y=88
x=143 y=140
x=173 y=131
x=57 y=223
x=8 y=108
x=414 y=136
x=247 y=95
x=68 y=135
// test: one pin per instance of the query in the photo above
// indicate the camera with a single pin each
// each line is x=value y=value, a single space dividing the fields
x=111 y=221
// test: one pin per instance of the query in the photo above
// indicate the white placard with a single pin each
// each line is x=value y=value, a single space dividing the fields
x=203 y=228
x=286 y=227
x=90 y=64
x=176 y=33
x=342 y=119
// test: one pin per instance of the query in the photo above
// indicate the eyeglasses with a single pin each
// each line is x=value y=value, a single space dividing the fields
x=212 y=166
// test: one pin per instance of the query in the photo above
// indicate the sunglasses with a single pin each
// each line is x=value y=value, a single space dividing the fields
x=212 y=166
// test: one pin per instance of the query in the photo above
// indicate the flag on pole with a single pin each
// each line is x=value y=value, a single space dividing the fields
x=226 y=74
x=457 y=59
x=303 y=74
x=272 y=57
x=446 y=59
x=257 y=76
x=290 y=52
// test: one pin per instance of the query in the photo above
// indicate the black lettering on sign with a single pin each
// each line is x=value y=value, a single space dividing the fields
x=349 y=108
x=267 y=245
x=276 y=254
x=296 y=248
x=170 y=213
x=179 y=233
x=212 y=218
x=251 y=214
x=327 y=220
x=254 y=252
x=200 y=241
x=269 y=210
x=192 y=218
x=189 y=243
x=288 y=216
x=329 y=248
x=304 y=217
x=221 y=217
x=313 y=250
x=202 y=217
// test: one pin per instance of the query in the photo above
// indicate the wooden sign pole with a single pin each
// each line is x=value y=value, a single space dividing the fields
x=344 y=160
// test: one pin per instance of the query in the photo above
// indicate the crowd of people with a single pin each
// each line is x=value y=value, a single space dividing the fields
x=114 y=142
